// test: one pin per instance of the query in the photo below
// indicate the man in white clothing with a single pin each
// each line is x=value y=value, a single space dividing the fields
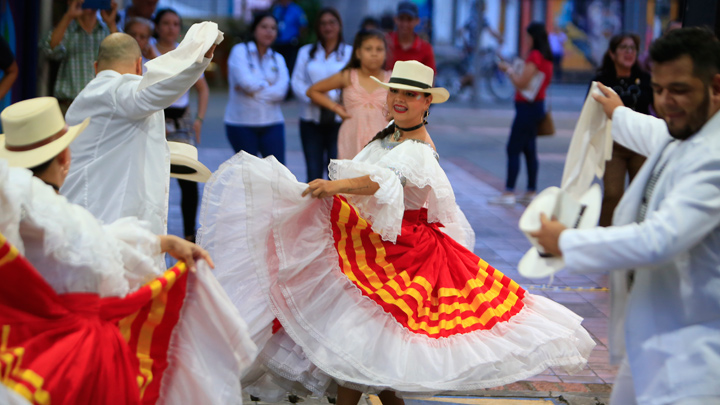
x=121 y=162
x=666 y=228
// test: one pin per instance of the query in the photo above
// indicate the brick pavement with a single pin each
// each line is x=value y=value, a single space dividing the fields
x=471 y=145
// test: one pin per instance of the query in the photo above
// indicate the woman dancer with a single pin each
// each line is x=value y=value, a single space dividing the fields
x=621 y=71
x=362 y=109
x=528 y=114
x=179 y=124
x=367 y=290
x=258 y=80
x=319 y=126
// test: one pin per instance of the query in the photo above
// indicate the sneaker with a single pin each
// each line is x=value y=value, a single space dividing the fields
x=503 y=199
x=527 y=197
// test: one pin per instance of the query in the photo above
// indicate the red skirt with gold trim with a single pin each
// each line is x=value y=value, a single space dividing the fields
x=421 y=315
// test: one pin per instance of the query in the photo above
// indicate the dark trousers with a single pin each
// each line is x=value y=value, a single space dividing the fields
x=319 y=142
x=188 y=206
x=289 y=53
x=624 y=163
x=522 y=140
x=266 y=140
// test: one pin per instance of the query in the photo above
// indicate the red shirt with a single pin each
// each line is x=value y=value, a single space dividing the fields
x=544 y=66
x=420 y=50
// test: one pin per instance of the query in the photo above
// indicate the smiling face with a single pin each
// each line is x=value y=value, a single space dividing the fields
x=625 y=54
x=168 y=28
x=266 y=32
x=407 y=107
x=371 y=53
x=681 y=98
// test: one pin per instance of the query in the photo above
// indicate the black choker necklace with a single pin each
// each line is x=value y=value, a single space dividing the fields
x=397 y=134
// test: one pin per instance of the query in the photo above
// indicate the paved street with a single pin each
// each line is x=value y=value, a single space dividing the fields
x=471 y=142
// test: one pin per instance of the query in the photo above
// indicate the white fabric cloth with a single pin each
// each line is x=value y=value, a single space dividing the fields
x=121 y=162
x=184 y=100
x=71 y=249
x=275 y=255
x=590 y=147
x=309 y=71
x=672 y=320
x=257 y=86
x=197 y=41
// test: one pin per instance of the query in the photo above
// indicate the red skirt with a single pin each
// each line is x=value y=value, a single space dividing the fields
x=78 y=348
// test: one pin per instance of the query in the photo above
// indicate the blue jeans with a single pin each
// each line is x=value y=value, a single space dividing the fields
x=522 y=140
x=319 y=142
x=266 y=140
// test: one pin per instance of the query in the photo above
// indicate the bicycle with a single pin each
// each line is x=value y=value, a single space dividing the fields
x=459 y=72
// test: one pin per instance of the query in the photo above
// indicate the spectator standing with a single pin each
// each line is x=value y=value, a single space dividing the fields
x=621 y=71
x=258 y=81
x=528 y=114
x=179 y=124
x=557 y=40
x=9 y=69
x=292 y=24
x=319 y=126
x=75 y=42
x=137 y=8
x=362 y=110
x=404 y=43
x=142 y=30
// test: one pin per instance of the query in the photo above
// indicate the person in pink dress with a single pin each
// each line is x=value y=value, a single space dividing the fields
x=362 y=110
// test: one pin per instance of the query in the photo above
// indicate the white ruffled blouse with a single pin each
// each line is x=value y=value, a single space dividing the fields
x=68 y=246
x=410 y=178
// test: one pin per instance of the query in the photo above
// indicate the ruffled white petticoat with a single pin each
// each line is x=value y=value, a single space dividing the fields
x=275 y=256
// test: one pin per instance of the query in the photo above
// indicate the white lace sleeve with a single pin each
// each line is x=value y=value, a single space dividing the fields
x=417 y=162
x=386 y=207
x=70 y=248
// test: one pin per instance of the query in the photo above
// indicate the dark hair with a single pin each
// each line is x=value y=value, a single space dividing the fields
x=334 y=13
x=608 y=66
x=360 y=37
x=42 y=167
x=257 y=19
x=370 y=21
x=159 y=15
x=700 y=44
x=539 y=36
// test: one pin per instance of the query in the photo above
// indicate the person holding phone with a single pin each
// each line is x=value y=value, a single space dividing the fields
x=74 y=42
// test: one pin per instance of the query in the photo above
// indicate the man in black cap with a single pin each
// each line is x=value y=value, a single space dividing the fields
x=404 y=43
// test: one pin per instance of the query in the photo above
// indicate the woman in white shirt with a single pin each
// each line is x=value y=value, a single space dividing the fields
x=258 y=79
x=319 y=126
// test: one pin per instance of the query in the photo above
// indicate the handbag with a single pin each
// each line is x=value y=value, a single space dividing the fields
x=546 y=126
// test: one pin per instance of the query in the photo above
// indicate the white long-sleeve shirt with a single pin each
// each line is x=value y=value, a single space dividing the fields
x=309 y=71
x=257 y=86
x=121 y=162
x=672 y=320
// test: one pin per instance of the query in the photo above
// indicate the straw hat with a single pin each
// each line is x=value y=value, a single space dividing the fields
x=35 y=132
x=555 y=202
x=413 y=75
x=184 y=163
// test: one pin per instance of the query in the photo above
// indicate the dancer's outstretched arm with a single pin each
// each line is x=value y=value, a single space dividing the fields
x=325 y=188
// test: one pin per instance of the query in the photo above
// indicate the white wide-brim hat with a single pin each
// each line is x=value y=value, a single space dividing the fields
x=184 y=163
x=413 y=75
x=35 y=132
x=571 y=212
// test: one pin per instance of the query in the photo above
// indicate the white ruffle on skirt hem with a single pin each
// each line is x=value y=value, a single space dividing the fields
x=275 y=256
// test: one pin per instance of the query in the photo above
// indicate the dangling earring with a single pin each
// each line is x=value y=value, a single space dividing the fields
x=425 y=117
x=385 y=111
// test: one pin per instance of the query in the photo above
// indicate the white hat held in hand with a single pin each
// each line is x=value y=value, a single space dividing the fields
x=571 y=212
x=184 y=163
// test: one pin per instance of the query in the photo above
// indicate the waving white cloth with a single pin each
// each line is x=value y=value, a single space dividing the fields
x=198 y=40
x=590 y=147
